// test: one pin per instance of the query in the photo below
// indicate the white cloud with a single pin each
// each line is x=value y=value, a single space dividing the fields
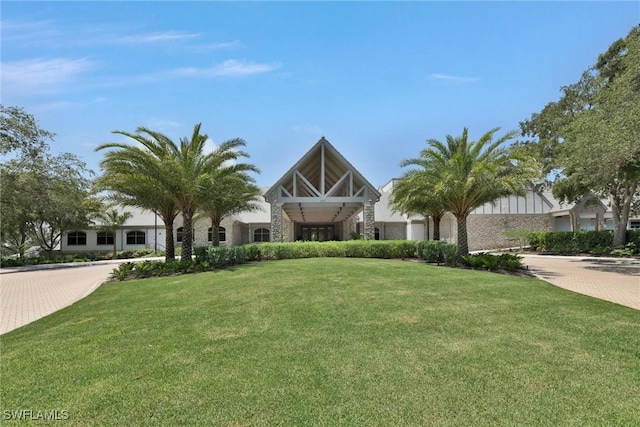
x=167 y=36
x=231 y=67
x=218 y=46
x=28 y=33
x=453 y=79
x=166 y=126
x=35 y=76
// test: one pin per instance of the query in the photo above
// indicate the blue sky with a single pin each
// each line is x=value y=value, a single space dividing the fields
x=376 y=79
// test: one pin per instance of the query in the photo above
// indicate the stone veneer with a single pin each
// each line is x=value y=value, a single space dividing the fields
x=277 y=226
x=488 y=231
x=369 y=220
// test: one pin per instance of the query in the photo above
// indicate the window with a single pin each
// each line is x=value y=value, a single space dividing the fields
x=180 y=234
x=377 y=233
x=634 y=224
x=135 y=238
x=105 y=238
x=261 y=235
x=77 y=238
x=222 y=234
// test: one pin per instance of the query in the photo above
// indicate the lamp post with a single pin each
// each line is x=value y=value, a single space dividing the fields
x=155 y=240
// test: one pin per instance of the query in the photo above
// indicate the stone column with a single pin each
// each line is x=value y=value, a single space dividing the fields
x=369 y=220
x=276 y=222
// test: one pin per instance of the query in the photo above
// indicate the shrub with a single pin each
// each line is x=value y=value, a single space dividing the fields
x=220 y=257
x=440 y=252
x=510 y=262
x=11 y=262
x=122 y=272
x=598 y=242
x=143 y=269
x=587 y=241
x=486 y=261
x=633 y=238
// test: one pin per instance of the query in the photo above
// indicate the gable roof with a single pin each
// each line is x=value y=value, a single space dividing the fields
x=310 y=166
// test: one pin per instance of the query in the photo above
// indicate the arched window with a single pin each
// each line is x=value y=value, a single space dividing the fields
x=261 y=235
x=179 y=233
x=77 y=238
x=376 y=233
x=105 y=238
x=222 y=234
x=135 y=238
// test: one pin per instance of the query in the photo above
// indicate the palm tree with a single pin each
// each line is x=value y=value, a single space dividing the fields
x=229 y=195
x=111 y=221
x=180 y=170
x=409 y=197
x=129 y=188
x=464 y=175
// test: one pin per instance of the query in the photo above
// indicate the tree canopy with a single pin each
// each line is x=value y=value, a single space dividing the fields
x=462 y=175
x=42 y=195
x=589 y=140
x=181 y=171
x=228 y=195
x=409 y=197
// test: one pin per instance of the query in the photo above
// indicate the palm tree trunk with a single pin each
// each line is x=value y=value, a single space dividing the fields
x=170 y=252
x=463 y=245
x=187 y=236
x=115 y=249
x=215 y=233
x=436 y=226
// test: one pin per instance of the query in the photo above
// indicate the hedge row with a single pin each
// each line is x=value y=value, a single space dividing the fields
x=430 y=251
x=573 y=242
x=77 y=257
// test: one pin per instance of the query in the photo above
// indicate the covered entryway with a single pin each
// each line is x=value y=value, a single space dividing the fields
x=322 y=194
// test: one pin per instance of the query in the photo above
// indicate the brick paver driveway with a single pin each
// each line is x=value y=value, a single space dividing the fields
x=610 y=279
x=26 y=296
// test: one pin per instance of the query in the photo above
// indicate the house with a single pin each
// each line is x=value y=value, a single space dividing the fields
x=324 y=197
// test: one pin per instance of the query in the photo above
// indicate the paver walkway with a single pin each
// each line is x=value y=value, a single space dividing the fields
x=609 y=279
x=26 y=296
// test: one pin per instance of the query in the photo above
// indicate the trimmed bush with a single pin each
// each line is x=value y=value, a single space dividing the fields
x=633 y=241
x=222 y=256
x=598 y=242
x=438 y=251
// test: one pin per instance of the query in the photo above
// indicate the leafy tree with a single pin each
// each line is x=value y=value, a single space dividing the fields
x=180 y=170
x=408 y=197
x=590 y=138
x=18 y=196
x=463 y=175
x=19 y=131
x=232 y=194
x=112 y=220
x=65 y=202
x=42 y=196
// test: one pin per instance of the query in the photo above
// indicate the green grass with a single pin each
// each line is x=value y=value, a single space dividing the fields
x=330 y=342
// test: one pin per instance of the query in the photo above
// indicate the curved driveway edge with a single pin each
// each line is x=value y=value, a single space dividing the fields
x=611 y=279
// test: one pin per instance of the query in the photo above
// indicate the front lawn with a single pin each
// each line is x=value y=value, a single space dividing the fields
x=329 y=341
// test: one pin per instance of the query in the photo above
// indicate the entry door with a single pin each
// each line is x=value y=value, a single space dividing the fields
x=318 y=233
